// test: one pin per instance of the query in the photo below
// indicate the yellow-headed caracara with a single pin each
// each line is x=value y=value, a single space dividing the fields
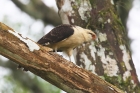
x=67 y=37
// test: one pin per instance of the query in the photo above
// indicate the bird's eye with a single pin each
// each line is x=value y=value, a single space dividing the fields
x=93 y=35
x=90 y=33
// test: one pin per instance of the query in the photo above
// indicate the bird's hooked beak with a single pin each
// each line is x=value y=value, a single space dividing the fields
x=93 y=36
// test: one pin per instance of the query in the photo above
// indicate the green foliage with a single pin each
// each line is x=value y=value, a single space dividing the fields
x=14 y=86
x=47 y=87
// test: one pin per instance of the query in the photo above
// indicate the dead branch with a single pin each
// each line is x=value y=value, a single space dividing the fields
x=38 y=10
x=50 y=66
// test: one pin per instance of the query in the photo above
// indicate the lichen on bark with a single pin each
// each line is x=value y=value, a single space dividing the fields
x=109 y=55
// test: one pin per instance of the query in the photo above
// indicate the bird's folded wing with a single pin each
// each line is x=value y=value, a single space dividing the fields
x=57 y=34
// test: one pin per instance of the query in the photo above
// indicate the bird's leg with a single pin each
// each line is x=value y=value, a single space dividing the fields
x=19 y=66
x=55 y=50
x=69 y=58
x=69 y=53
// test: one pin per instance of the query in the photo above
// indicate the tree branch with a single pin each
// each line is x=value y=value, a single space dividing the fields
x=38 y=10
x=50 y=66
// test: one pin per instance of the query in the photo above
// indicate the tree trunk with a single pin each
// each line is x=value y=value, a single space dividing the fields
x=109 y=56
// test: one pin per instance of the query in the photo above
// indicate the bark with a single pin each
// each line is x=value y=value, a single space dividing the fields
x=50 y=66
x=38 y=10
x=109 y=56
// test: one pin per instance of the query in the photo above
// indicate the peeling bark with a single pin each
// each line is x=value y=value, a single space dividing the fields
x=109 y=56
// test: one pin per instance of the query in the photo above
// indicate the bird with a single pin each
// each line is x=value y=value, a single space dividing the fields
x=66 y=37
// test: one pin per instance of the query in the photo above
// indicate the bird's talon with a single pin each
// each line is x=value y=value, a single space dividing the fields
x=24 y=69
x=19 y=67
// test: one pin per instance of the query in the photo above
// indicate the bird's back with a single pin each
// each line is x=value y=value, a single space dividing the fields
x=57 y=34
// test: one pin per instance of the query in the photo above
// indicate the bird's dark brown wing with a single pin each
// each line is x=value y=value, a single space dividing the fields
x=57 y=34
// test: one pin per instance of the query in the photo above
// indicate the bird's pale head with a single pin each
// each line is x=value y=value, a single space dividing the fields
x=89 y=35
